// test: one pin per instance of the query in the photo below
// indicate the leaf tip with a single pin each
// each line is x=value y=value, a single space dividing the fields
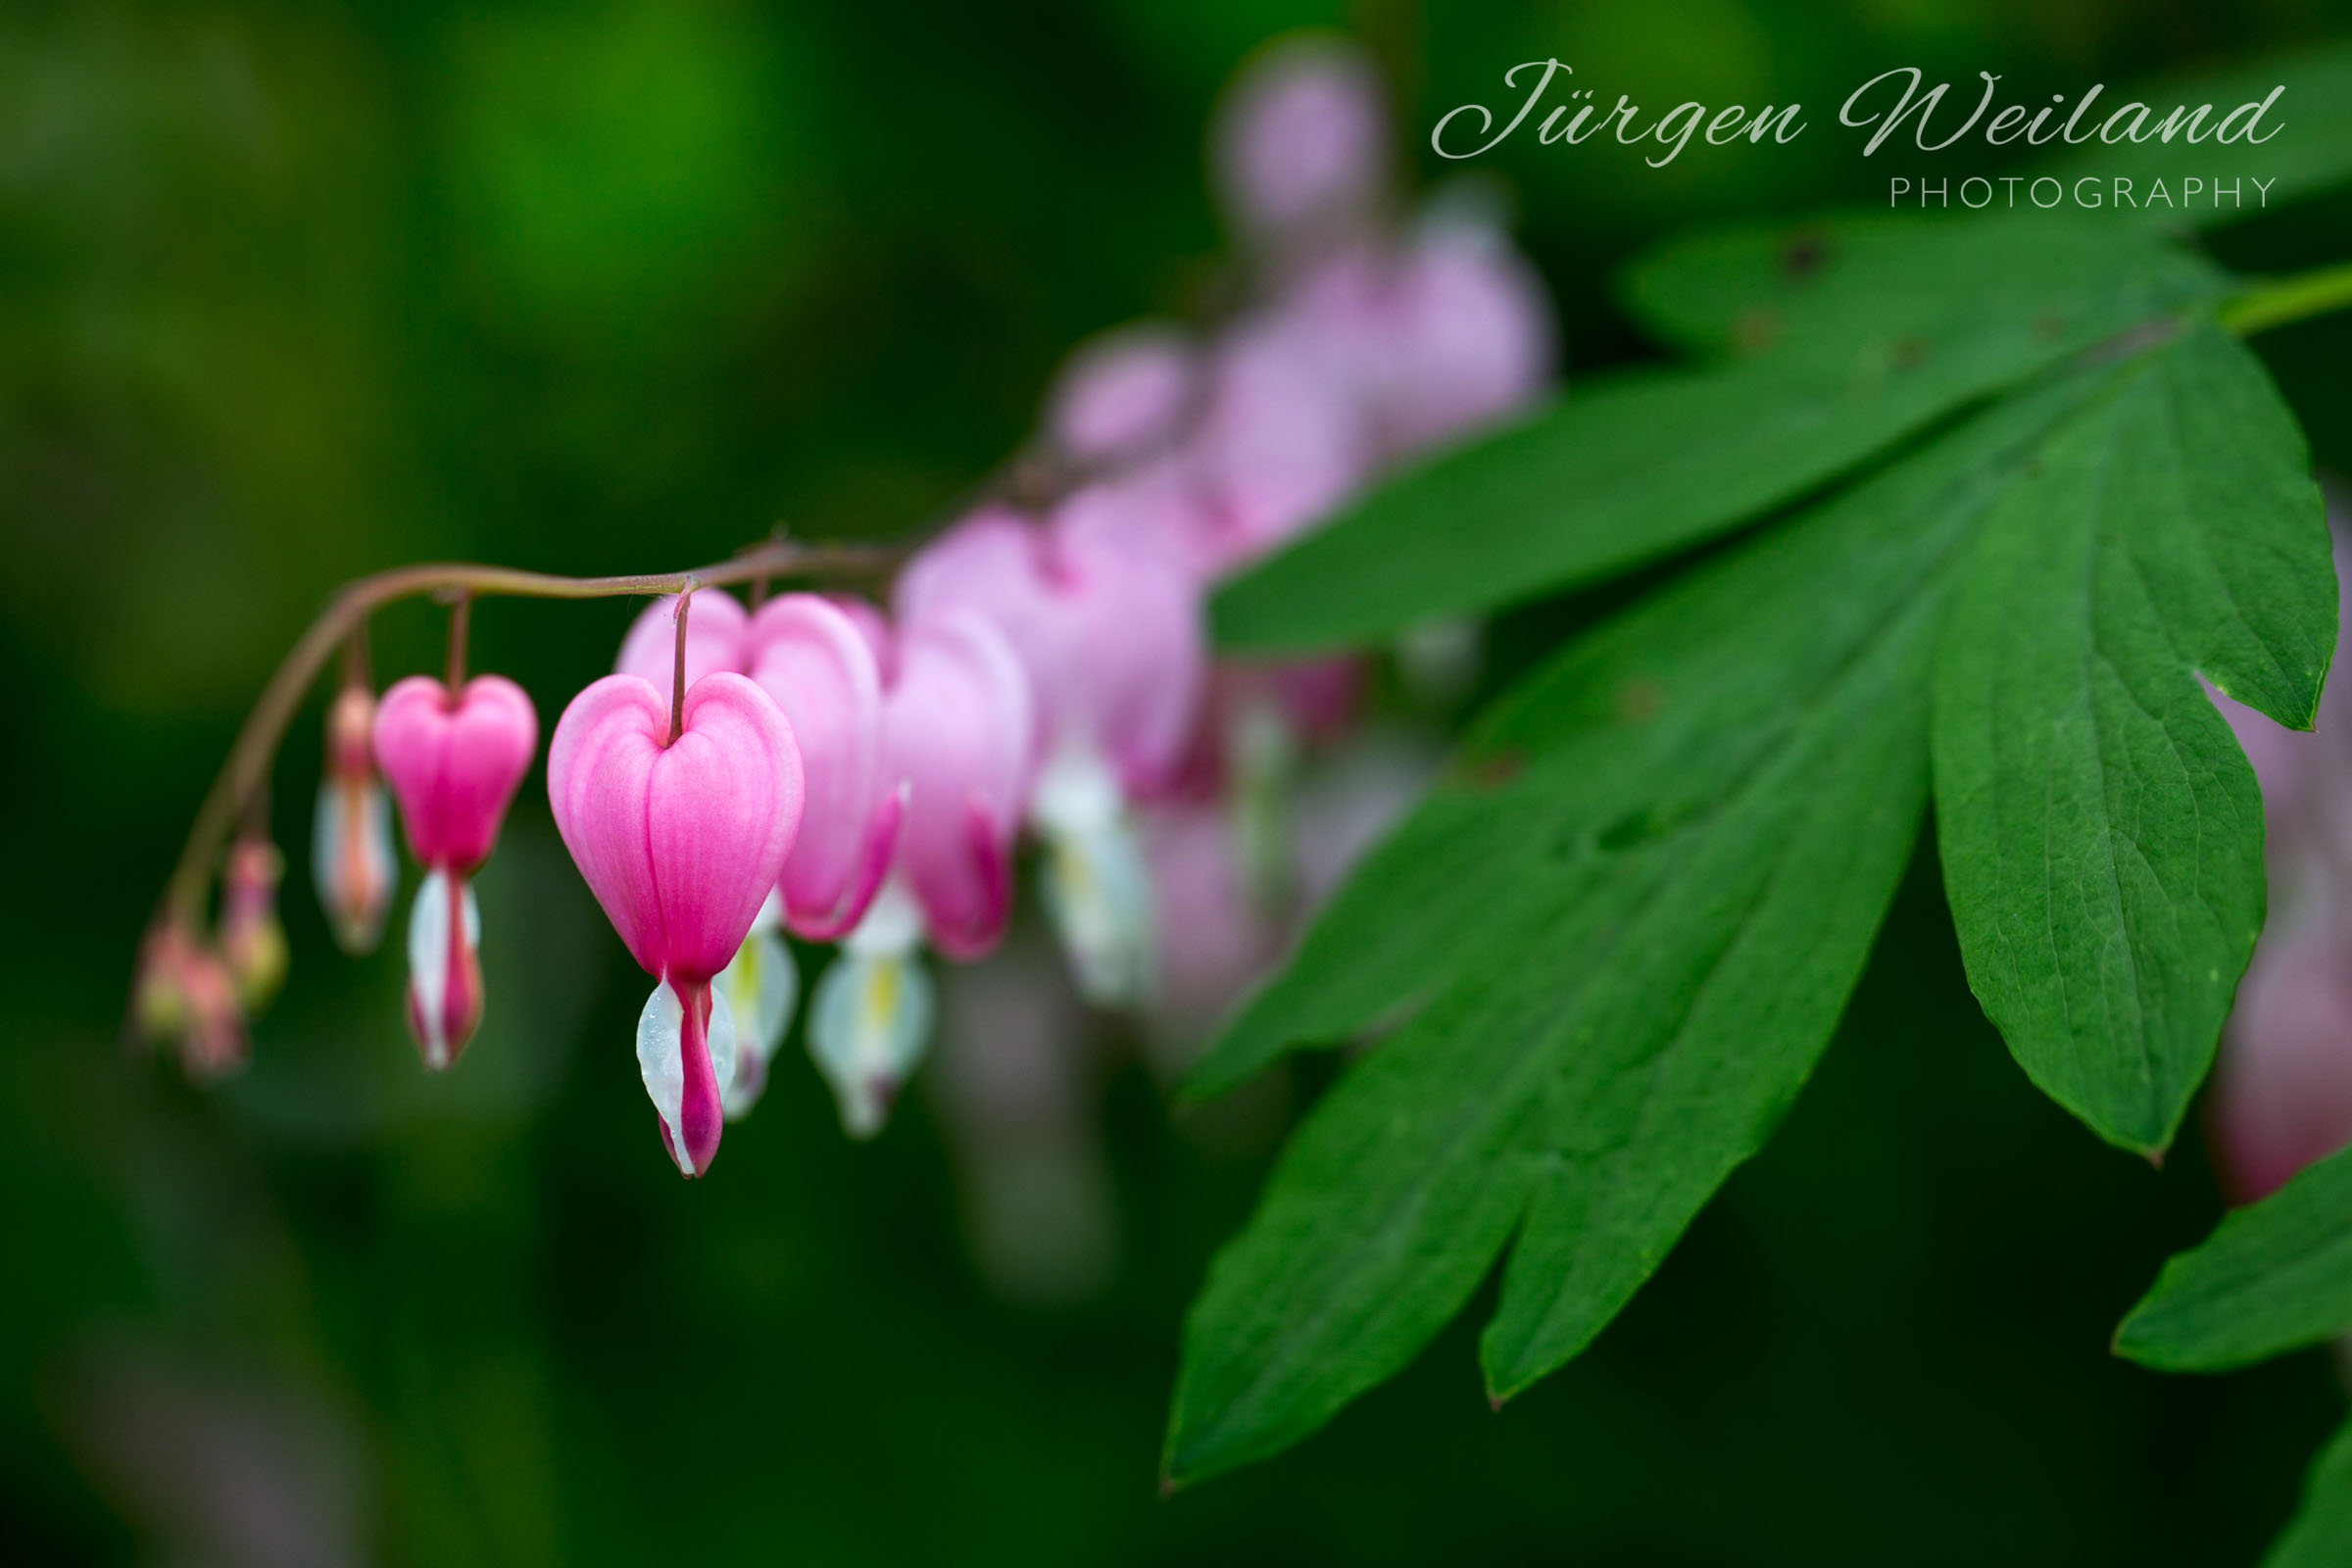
x=1168 y=1486
x=1494 y=1400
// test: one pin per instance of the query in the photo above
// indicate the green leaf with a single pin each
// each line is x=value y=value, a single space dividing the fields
x=2310 y=152
x=1825 y=287
x=1628 y=923
x=1636 y=464
x=2321 y=1535
x=2101 y=832
x=2272 y=1277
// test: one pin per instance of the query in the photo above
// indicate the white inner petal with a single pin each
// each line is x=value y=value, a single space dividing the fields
x=428 y=960
x=892 y=924
x=1076 y=791
x=869 y=1024
x=661 y=1067
x=1098 y=894
x=661 y=1062
x=762 y=986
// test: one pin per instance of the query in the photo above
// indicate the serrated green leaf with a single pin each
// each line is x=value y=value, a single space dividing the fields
x=2321 y=1535
x=2311 y=151
x=2101 y=832
x=1675 y=844
x=2272 y=1277
x=1633 y=465
x=1455 y=878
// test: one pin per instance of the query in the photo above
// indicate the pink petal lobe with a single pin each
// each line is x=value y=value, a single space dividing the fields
x=812 y=659
x=600 y=769
x=454 y=763
x=722 y=809
x=957 y=728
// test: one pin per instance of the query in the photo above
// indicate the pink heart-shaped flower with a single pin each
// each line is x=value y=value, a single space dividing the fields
x=453 y=762
x=679 y=839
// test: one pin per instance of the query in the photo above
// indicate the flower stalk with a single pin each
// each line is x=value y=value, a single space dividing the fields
x=2285 y=301
x=340 y=623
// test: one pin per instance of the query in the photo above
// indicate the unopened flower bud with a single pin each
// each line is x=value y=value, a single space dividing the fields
x=186 y=996
x=252 y=941
x=351 y=843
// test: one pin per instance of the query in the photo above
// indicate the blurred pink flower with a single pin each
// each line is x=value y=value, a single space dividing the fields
x=1108 y=630
x=2282 y=1090
x=811 y=657
x=253 y=943
x=1437 y=337
x=958 y=727
x=1123 y=395
x=2283 y=1093
x=1300 y=141
x=351 y=835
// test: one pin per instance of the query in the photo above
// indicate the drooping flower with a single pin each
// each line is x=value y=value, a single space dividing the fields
x=185 y=995
x=1110 y=636
x=253 y=943
x=1108 y=633
x=1280 y=441
x=351 y=843
x=959 y=737
x=1301 y=142
x=453 y=760
x=958 y=728
x=1123 y=396
x=1436 y=336
x=681 y=839
x=870 y=1020
x=811 y=656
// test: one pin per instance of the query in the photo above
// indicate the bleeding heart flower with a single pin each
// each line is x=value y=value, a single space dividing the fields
x=958 y=727
x=351 y=836
x=186 y=995
x=813 y=656
x=1280 y=441
x=253 y=943
x=1447 y=333
x=1107 y=630
x=1109 y=635
x=1301 y=140
x=1124 y=395
x=681 y=840
x=453 y=760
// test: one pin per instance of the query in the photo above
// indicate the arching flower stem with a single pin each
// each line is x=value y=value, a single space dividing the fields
x=338 y=626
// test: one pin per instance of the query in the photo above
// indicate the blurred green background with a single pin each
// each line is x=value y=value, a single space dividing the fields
x=288 y=293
